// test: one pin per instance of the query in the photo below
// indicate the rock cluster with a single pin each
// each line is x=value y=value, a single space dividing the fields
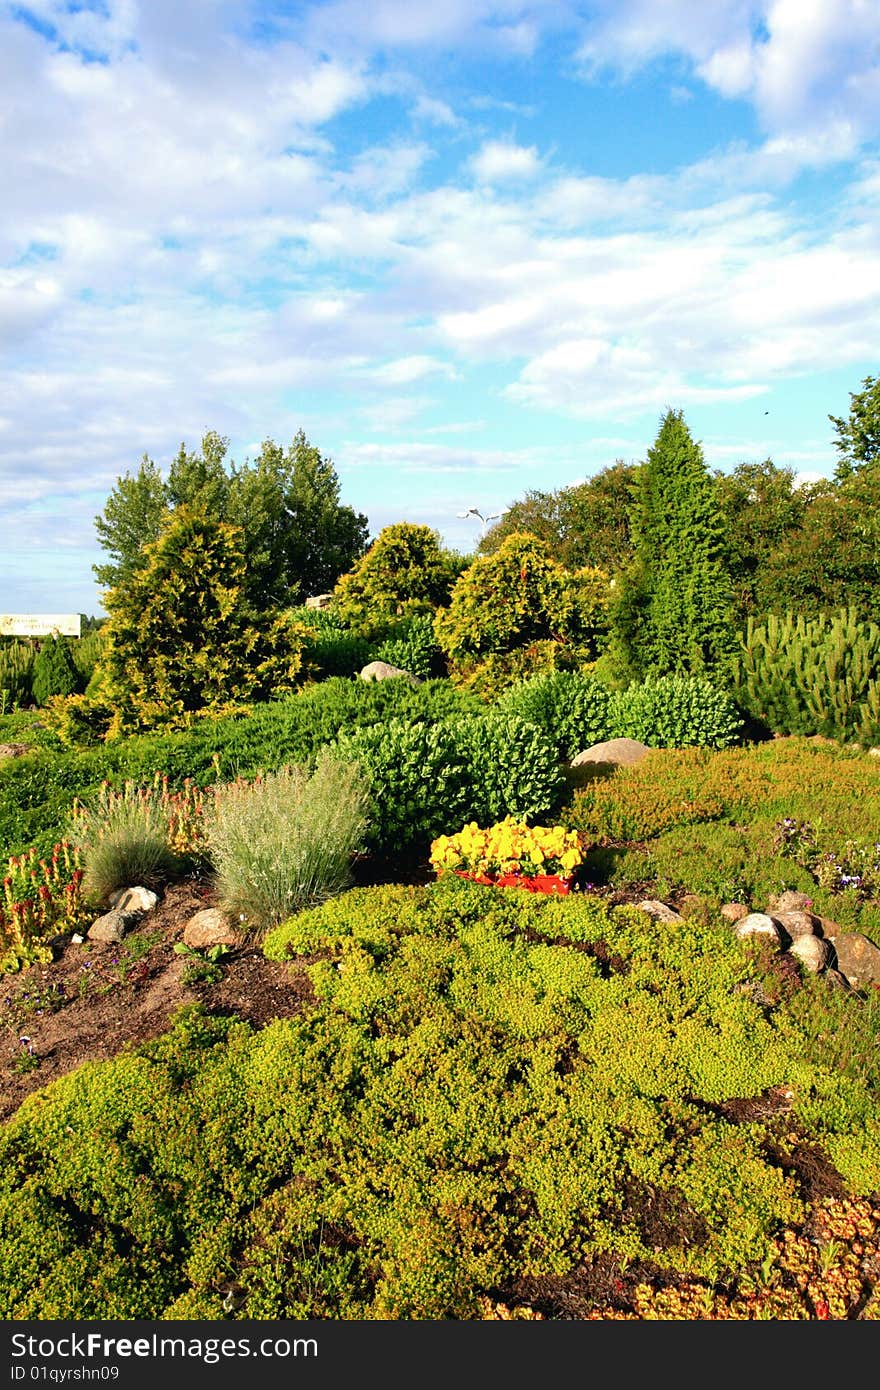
x=847 y=958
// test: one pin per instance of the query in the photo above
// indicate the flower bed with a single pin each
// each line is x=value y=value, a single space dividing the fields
x=541 y=859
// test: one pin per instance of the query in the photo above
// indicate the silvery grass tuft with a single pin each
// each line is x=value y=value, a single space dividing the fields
x=123 y=838
x=285 y=841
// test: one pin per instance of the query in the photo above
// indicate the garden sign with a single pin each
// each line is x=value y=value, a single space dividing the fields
x=40 y=624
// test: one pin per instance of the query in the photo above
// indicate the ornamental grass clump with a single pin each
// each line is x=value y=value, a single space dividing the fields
x=124 y=838
x=286 y=840
x=510 y=847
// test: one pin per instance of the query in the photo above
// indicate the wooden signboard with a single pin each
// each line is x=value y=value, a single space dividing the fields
x=40 y=624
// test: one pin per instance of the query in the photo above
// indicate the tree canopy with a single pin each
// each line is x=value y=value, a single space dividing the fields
x=298 y=538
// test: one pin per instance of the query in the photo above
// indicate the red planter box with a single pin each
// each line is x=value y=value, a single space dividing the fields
x=538 y=883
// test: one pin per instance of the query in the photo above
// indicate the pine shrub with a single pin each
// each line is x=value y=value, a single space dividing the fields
x=817 y=675
x=54 y=671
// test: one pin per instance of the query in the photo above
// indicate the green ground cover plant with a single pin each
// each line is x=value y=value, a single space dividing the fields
x=713 y=824
x=487 y=1091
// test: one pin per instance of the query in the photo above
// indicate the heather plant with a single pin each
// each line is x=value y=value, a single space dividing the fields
x=286 y=840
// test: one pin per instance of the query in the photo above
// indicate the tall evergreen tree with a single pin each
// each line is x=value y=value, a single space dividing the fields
x=673 y=610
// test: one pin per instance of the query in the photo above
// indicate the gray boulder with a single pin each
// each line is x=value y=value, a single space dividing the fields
x=383 y=671
x=857 y=958
x=319 y=601
x=621 y=752
x=799 y=923
x=210 y=927
x=661 y=912
x=789 y=901
x=812 y=952
x=111 y=927
x=133 y=900
x=758 y=924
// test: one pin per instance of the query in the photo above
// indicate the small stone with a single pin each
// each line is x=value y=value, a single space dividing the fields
x=789 y=901
x=133 y=900
x=319 y=601
x=757 y=924
x=661 y=912
x=734 y=912
x=77 y=939
x=383 y=671
x=210 y=927
x=14 y=750
x=618 y=752
x=857 y=958
x=111 y=927
x=798 y=923
x=811 y=951
x=837 y=981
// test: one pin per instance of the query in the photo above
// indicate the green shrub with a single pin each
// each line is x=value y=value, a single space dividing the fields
x=405 y=573
x=674 y=712
x=813 y=675
x=516 y=598
x=420 y=783
x=330 y=648
x=124 y=842
x=286 y=840
x=54 y=671
x=16 y=670
x=513 y=768
x=413 y=647
x=569 y=707
x=86 y=653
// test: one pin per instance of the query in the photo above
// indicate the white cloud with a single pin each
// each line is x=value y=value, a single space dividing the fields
x=500 y=160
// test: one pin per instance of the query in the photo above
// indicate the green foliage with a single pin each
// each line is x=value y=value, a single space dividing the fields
x=405 y=573
x=674 y=712
x=36 y=791
x=412 y=647
x=813 y=675
x=516 y=599
x=16 y=669
x=419 y=780
x=672 y=610
x=123 y=841
x=431 y=778
x=858 y=437
x=330 y=649
x=569 y=707
x=762 y=511
x=86 y=654
x=297 y=537
x=54 y=671
x=489 y=1091
x=183 y=640
x=513 y=767
x=583 y=525
x=286 y=840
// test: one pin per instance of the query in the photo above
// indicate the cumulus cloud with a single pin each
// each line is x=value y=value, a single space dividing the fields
x=499 y=160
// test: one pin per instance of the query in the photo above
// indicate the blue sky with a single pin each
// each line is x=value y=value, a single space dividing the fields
x=471 y=247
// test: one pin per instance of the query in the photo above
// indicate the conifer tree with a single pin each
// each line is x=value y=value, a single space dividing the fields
x=183 y=639
x=673 y=610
